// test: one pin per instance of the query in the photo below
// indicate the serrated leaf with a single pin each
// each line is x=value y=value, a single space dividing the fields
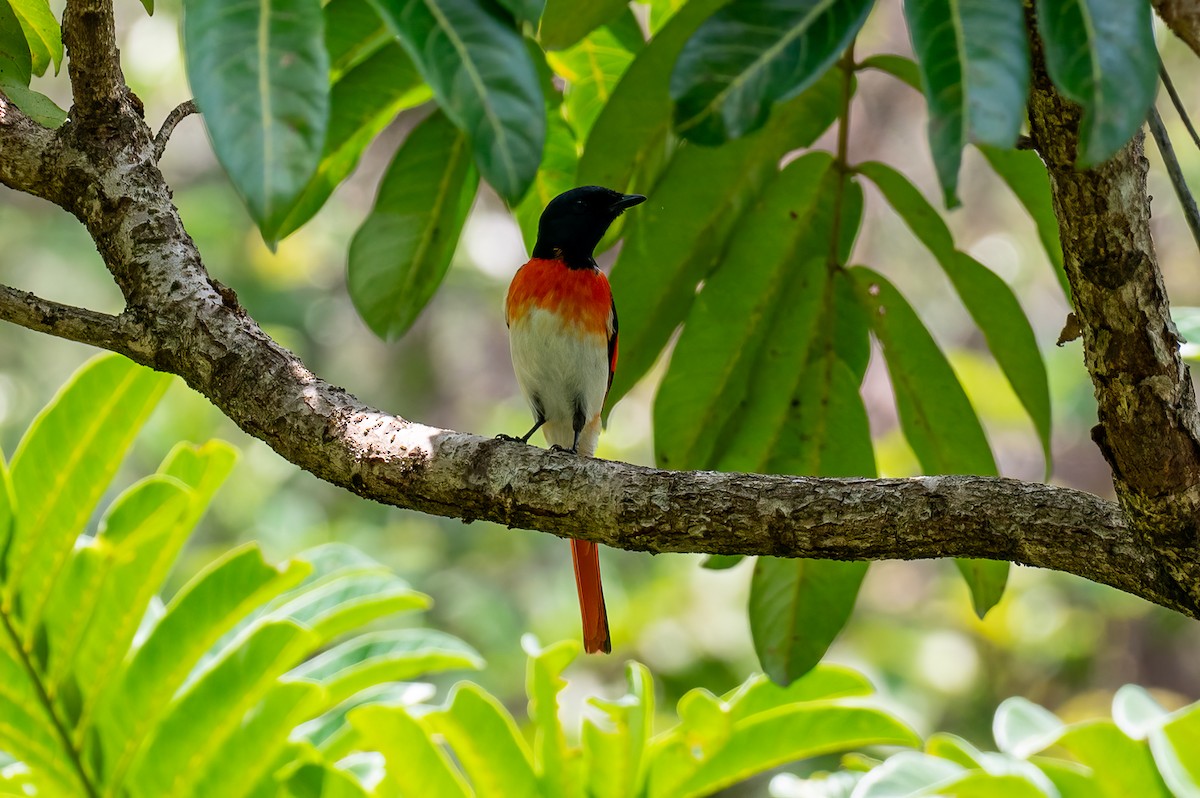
x=1101 y=54
x=680 y=235
x=400 y=254
x=797 y=607
x=62 y=467
x=1025 y=174
x=42 y=32
x=752 y=54
x=361 y=104
x=974 y=60
x=565 y=22
x=416 y=764
x=260 y=74
x=484 y=80
x=614 y=750
x=1022 y=728
x=903 y=69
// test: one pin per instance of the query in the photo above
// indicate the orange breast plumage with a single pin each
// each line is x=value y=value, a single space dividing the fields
x=580 y=297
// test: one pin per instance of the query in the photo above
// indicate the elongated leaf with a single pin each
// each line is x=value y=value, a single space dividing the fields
x=323 y=780
x=797 y=608
x=260 y=73
x=593 y=67
x=1174 y=747
x=988 y=298
x=27 y=728
x=903 y=69
x=1025 y=174
x=752 y=54
x=558 y=769
x=16 y=63
x=974 y=59
x=679 y=236
x=62 y=467
x=556 y=175
x=565 y=22
x=416 y=764
x=632 y=128
x=486 y=743
x=759 y=694
x=8 y=515
x=41 y=32
x=400 y=254
x=1101 y=54
x=484 y=80
x=362 y=103
x=614 y=751
x=37 y=106
x=198 y=723
x=346 y=602
x=354 y=32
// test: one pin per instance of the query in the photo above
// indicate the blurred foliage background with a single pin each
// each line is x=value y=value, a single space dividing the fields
x=1058 y=640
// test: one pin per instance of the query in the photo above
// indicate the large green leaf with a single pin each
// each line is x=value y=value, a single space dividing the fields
x=1123 y=767
x=760 y=694
x=1101 y=54
x=484 y=80
x=752 y=54
x=1023 y=728
x=400 y=254
x=1174 y=746
x=260 y=73
x=417 y=765
x=362 y=103
x=41 y=32
x=675 y=240
x=1025 y=174
x=614 y=748
x=61 y=469
x=987 y=297
x=558 y=767
x=354 y=32
x=565 y=22
x=974 y=59
x=556 y=175
x=593 y=68
x=797 y=608
x=16 y=62
x=903 y=69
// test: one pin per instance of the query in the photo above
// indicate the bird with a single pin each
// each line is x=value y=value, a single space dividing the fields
x=562 y=331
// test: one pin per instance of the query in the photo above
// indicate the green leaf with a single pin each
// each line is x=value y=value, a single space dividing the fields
x=614 y=750
x=593 y=67
x=985 y=579
x=558 y=765
x=347 y=601
x=759 y=694
x=903 y=69
x=260 y=73
x=28 y=731
x=631 y=131
x=974 y=59
x=1136 y=713
x=416 y=764
x=37 y=106
x=711 y=366
x=906 y=775
x=787 y=734
x=1101 y=54
x=1123 y=767
x=721 y=562
x=753 y=53
x=362 y=103
x=1071 y=779
x=797 y=608
x=211 y=712
x=565 y=22
x=1026 y=176
x=353 y=33
x=324 y=780
x=207 y=606
x=676 y=239
x=16 y=63
x=980 y=784
x=556 y=175
x=62 y=467
x=486 y=743
x=1022 y=728
x=987 y=297
x=42 y=32
x=484 y=80
x=400 y=254
x=1174 y=748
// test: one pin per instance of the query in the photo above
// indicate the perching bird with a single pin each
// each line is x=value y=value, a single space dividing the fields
x=562 y=325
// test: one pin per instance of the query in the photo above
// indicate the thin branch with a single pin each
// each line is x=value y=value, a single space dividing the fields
x=67 y=321
x=1186 y=200
x=183 y=110
x=1178 y=103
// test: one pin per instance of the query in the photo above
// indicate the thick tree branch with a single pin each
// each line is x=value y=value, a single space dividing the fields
x=93 y=62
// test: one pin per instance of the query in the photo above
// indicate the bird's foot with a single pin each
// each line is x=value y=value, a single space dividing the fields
x=557 y=448
x=512 y=438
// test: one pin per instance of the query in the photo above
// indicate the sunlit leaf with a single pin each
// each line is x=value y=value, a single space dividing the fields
x=42 y=32
x=614 y=748
x=416 y=764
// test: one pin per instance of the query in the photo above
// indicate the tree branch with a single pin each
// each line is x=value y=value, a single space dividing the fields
x=181 y=112
x=93 y=62
x=1183 y=18
x=69 y=322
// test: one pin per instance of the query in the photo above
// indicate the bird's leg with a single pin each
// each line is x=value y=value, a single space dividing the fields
x=578 y=425
x=524 y=438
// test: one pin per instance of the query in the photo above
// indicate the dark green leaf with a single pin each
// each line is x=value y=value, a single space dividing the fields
x=260 y=73
x=484 y=80
x=593 y=67
x=16 y=63
x=988 y=298
x=353 y=33
x=525 y=11
x=797 y=608
x=752 y=54
x=400 y=254
x=985 y=579
x=565 y=22
x=974 y=59
x=899 y=67
x=363 y=103
x=41 y=32
x=632 y=127
x=721 y=562
x=556 y=175
x=1101 y=54
x=679 y=235
x=1025 y=174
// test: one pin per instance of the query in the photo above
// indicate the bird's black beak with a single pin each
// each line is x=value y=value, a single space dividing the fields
x=626 y=201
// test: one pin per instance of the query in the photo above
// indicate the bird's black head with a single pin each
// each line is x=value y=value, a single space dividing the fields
x=575 y=221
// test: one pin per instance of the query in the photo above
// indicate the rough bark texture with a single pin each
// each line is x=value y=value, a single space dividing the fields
x=1183 y=18
x=101 y=166
x=1149 y=430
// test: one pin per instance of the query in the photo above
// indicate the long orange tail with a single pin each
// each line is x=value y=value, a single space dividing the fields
x=586 y=556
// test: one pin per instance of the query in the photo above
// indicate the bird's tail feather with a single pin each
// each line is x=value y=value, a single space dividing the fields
x=586 y=556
